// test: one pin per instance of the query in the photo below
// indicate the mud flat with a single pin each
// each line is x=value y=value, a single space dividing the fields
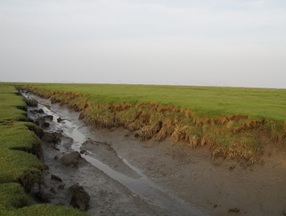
x=115 y=186
x=219 y=187
x=125 y=176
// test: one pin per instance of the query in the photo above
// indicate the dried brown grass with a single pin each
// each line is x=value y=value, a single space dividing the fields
x=229 y=137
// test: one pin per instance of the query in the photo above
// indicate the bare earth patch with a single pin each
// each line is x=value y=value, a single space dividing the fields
x=219 y=186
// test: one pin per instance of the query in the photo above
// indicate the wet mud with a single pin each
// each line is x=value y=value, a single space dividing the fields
x=125 y=176
x=115 y=186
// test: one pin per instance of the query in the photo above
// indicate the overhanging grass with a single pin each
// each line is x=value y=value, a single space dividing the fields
x=15 y=164
x=232 y=122
x=12 y=196
x=19 y=148
x=14 y=201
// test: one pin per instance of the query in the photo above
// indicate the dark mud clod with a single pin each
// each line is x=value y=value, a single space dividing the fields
x=234 y=210
x=37 y=130
x=71 y=159
x=52 y=137
x=45 y=125
x=59 y=120
x=231 y=168
x=53 y=190
x=38 y=111
x=48 y=117
x=83 y=151
x=61 y=187
x=43 y=196
x=56 y=178
x=43 y=119
x=80 y=198
x=31 y=102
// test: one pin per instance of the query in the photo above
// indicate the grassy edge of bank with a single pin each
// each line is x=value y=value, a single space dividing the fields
x=237 y=136
x=20 y=167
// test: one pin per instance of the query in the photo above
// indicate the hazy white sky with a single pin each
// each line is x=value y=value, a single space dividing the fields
x=188 y=42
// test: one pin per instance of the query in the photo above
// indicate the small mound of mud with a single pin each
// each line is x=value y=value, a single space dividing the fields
x=43 y=119
x=72 y=159
x=37 y=111
x=80 y=198
x=54 y=137
x=45 y=125
x=31 y=102
x=37 y=130
x=59 y=120
x=56 y=178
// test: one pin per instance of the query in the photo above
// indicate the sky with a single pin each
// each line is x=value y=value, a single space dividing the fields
x=182 y=42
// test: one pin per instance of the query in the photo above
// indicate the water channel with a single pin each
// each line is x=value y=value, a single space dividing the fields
x=139 y=184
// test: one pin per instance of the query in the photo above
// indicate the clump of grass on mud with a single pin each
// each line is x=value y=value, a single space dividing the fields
x=14 y=202
x=20 y=167
x=233 y=123
x=16 y=140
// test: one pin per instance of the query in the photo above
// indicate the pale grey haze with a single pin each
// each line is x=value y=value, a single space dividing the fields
x=182 y=42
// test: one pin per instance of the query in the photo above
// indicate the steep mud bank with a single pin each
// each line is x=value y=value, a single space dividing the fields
x=227 y=135
x=115 y=186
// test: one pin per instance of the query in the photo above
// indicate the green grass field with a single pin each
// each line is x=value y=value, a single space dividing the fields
x=233 y=123
x=19 y=166
x=266 y=103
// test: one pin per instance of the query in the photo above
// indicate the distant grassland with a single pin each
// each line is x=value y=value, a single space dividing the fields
x=266 y=103
x=231 y=122
x=20 y=167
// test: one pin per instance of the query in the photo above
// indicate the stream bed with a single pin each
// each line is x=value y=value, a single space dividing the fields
x=124 y=175
x=115 y=186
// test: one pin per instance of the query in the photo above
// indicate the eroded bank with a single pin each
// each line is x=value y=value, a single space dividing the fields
x=194 y=182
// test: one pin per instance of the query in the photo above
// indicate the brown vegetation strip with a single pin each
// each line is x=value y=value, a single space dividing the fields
x=232 y=137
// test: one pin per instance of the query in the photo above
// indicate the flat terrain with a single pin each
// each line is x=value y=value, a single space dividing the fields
x=265 y=103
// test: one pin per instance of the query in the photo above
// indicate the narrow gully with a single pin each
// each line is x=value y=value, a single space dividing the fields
x=142 y=186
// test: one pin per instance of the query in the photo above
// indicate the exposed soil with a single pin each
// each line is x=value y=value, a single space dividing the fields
x=108 y=197
x=218 y=186
x=196 y=183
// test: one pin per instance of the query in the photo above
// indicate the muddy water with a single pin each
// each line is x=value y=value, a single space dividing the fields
x=148 y=198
